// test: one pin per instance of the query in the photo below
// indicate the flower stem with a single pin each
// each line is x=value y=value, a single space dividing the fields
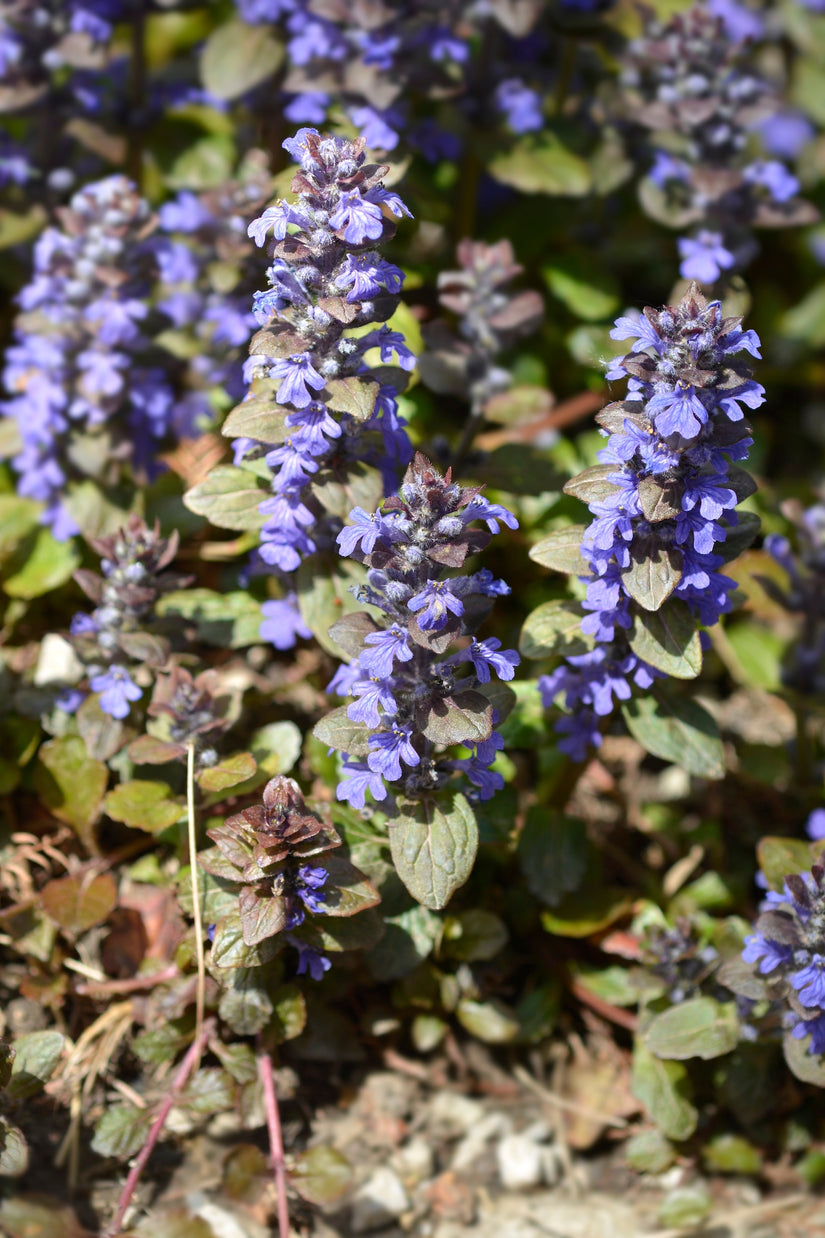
x=276 y=1139
x=200 y=994
x=187 y=1067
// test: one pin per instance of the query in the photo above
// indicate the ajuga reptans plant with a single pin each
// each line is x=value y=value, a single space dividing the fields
x=663 y=503
x=275 y=856
x=421 y=687
x=687 y=83
x=317 y=413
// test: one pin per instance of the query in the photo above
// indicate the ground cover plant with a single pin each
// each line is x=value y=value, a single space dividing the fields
x=412 y=582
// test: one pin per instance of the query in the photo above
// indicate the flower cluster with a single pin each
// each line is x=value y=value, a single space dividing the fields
x=685 y=79
x=804 y=595
x=191 y=710
x=490 y=318
x=680 y=959
x=275 y=856
x=413 y=699
x=115 y=636
x=663 y=503
x=374 y=60
x=207 y=275
x=85 y=392
x=788 y=951
x=326 y=280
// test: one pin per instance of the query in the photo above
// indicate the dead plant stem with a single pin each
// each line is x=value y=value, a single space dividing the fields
x=200 y=995
x=276 y=1139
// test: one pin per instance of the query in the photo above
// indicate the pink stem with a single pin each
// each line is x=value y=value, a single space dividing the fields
x=178 y=1083
x=276 y=1140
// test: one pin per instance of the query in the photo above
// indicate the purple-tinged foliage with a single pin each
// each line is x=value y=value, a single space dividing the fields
x=116 y=636
x=663 y=504
x=413 y=698
x=687 y=81
x=275 y=857
x=85 y=391
x=490 y=317
x=326 y=279
x=787 y=952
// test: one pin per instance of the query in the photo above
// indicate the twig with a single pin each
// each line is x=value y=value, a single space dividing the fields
x=276 y=1139
x=102 y=988
x=570 y=1106
x=193 y=1054
x=200 y=996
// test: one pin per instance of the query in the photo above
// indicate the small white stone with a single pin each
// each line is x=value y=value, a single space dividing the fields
x=539 y=1131
x=519 y=1162
x=415 y=1161
x=472 y=1145
x=379 y=1201
x=57 y=661
x=457 y=1113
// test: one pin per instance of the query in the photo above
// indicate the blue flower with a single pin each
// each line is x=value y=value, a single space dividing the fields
x=388 y=749
x=437 y=602
x=679 y=411
x=297 y=375
x=810 y=982
x=768 y=954
x=385 y=648
x=815 y=1028
x=704 y=257
x=373 y=694
x=310 y=962
x=283 y=624
x=358 y=778
x=117 y=689
x=356 y=219
x=484 y=655
x=363 y=533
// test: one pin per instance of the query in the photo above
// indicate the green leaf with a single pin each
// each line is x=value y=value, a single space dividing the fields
x=465 y=717
x=473 y=935
x=290 y=1012
x=554 y=630
x=102 y=734
x=35 y=1216
x=652 y=576
x=540 y=163
x=740 y=537
x=700 y=1027
x=586 y=911
x=228 y=773
x=71 y=784
x=79 y=901
x=225 y=620
x=350 y=484
x=19 y=518
x=36 y=1056
x=210 y=1091
x=808 y=1067
x=14 y=1151
x=6 y=1059
x=237 y=57
x=649 y=1152
x=552 y=852
x=685 y=1207
x=780 y=857
x=338 y=731
x=324 y=594
x=433 y=847
x=581 y=281
x=48 y=565
x=321 y=1175
x=144 y=805
x=806 y=321
x=592 y=484
x=538 y=1012
x=492 y=1022
x=228 y=498
x=677 y=729
x=258 y=417
x=561 y=551
x=664 y=1089
x=731 y=1154
x=229 y=950
x=245 y=1003
x=355 y=396
x=122 y=1131
x=336 y=933
x=518 y=404
x=669 y=640
x=660 y=498
x=347 y=890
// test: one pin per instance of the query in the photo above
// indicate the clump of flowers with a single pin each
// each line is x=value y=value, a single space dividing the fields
x=686 y=79
x=662 y=502
x=414 y=699
x=490 y=318
x=326 y=412
x=276 y=857
x=373 y=69
x=116 y=638
x=680 y=959
x=804 y=596
x=787 y=951
x=85 y=393
x=193 y=713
